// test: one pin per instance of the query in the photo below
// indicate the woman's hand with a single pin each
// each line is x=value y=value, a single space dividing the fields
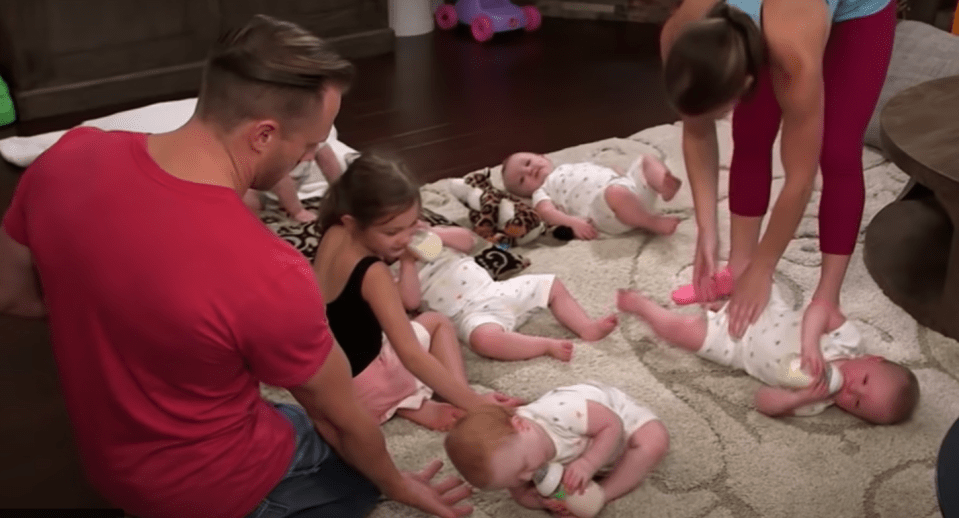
x=815 y=323
x=749 y=299
x=704 y=265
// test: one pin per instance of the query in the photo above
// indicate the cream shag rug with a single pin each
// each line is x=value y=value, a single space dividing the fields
x=725 y=460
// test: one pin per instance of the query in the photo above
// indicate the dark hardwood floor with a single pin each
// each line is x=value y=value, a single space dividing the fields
x=445 y=105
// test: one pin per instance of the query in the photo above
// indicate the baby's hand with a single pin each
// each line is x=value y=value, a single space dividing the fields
x=584 y=229
x=577 y=474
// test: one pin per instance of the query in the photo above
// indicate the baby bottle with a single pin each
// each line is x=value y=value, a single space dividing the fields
x=791 y=375
x=585 y=505
x=426 y=245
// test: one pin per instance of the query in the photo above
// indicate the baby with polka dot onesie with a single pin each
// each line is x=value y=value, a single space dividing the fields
x=872 y=388
x=486 y=312
x=592 y=429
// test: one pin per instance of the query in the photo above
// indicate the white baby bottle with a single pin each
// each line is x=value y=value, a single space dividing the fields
x=791 y=374
x=583 y=505
x=426 y=245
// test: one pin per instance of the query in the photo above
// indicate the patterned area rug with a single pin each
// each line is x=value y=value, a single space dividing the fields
x=726 y=460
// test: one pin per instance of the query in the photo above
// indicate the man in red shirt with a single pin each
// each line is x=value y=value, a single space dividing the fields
x=168 y=302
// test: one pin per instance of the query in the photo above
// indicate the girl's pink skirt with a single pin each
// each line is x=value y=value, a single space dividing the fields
x=385 y=385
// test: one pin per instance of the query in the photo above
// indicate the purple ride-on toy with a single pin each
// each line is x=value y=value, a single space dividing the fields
x=486 y=17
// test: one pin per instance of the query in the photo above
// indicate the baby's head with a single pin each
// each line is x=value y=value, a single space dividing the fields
x=525 y=172
x=493 y=448
x=377 y=201
x=877 y=390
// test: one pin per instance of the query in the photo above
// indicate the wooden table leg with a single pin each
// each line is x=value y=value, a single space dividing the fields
x=949 y=304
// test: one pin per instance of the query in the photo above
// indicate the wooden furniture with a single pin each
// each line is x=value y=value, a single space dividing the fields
x=63 y=56
x=911 y=247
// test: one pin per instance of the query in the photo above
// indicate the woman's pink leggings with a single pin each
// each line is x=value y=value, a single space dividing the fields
x=854 y=70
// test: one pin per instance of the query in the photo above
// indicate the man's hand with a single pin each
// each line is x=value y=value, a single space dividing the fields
x=440 y=498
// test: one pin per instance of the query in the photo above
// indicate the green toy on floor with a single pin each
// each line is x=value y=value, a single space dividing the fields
x=7 y=113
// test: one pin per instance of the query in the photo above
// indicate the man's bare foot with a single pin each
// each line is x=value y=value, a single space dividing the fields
x=433 y=415
x=632 y=301
x=562 y=350
x=600 y=328
x=665 y=225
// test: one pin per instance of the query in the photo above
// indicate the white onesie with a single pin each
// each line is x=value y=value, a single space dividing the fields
x=455 y=285
x=579 y=190
x=562 y=414
x=774 y=336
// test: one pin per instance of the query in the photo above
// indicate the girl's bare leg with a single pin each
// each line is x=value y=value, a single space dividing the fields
x=444 y=344
x=492 y=341
x=687 y=332
x=569 y=313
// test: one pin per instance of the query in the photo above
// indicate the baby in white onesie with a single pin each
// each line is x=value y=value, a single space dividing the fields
x=486 y=312
x=591 y=428
x=309 y=179
x=873 y=388
x=589 y=197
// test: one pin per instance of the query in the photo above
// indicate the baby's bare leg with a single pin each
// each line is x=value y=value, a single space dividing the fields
x=644 y=450
x=687 y=332
x=658 y=177
x=630 y=210
x=444 y=344
x=251 y=198
x=492 y=341
x=569 y=313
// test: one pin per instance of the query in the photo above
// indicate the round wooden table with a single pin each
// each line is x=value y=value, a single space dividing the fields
x=911 y=248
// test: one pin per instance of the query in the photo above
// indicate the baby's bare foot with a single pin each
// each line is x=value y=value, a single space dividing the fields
x=562 y=350
x=599 y=328
x=632 y=301
x=433 y=415
x=666 y=225
x=671 y=186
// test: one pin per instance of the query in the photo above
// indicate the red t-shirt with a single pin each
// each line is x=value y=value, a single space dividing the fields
x=168 y=301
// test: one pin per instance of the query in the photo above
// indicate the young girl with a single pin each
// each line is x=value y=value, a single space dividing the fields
x=486 y=312
x=369 y=215
x=590 y=428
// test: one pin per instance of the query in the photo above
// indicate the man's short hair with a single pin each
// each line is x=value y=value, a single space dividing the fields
x=268 y=69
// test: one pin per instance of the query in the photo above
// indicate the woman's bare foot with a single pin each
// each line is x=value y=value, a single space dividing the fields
x=433 y=415
x=600 y=328
x=562 y=350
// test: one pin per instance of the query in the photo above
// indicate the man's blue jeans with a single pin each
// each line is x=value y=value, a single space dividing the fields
x=318 y=484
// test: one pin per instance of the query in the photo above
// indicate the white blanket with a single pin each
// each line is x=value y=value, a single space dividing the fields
x=154 y=118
